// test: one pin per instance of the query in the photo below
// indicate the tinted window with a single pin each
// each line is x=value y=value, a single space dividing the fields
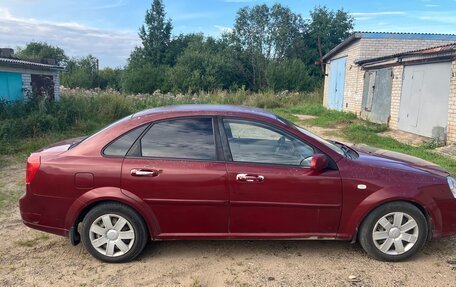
x=120 y=146
x=252 y=142
x=181 y=138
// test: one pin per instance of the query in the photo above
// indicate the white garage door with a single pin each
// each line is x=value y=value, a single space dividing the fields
x=424 y=99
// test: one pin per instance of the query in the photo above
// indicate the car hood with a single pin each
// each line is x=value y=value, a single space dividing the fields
x=391 y=158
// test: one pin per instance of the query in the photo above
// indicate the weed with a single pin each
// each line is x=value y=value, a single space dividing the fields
x=32 y=242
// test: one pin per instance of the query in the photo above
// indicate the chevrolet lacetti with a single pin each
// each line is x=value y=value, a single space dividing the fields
x=228 y=172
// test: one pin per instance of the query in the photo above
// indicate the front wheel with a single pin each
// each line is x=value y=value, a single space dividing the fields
x=394 y=231
x=113 y=232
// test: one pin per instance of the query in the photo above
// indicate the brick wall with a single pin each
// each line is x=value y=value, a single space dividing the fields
x=451 y=135
x=396 y=91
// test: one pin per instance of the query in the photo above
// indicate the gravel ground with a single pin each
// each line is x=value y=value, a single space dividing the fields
x=33 y=258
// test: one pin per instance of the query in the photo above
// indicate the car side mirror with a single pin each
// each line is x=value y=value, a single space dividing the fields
x=319 y=162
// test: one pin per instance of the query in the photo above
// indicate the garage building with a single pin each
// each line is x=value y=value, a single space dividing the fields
x=421 y=94
x=18 y=78
x=392 y=78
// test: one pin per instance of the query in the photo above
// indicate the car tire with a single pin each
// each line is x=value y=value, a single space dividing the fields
x=114 y=233
x=394 y=232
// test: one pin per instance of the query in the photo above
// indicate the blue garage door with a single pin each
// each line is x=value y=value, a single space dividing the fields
x=336 y=83
x=10 y=86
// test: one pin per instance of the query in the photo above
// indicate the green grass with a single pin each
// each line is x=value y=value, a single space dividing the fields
x=366 y=133
x=32 y=242
x=323 y=117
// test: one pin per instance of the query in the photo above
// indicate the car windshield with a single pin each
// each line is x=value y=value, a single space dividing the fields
x=328 y=144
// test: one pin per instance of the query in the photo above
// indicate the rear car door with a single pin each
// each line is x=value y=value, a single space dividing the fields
x=176 y=169
x=273 y=190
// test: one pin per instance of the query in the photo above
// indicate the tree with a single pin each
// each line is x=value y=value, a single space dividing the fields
x=156 y=33
x=110 y=78
x=205 y=65
x=81 y=72
x=266 y=34
x=289 y=75
x=41 y=50
x=332 y=27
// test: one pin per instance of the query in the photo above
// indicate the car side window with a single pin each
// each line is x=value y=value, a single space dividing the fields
x=190 y=138
x=257 y=143
x=120 y=146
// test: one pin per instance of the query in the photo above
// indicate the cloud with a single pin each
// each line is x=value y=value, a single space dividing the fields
x=443 y=17
x=239 y=1
x=374 y=14
x=194 y=16
x=223 y=29
x=111 y=47
x=431 y=5
x=116 y=4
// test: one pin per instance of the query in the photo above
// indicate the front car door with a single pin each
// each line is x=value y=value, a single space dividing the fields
x=273 y=191
x=175 y=168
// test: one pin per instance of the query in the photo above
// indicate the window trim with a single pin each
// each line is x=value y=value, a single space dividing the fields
x=226 y=145
x=217 y=142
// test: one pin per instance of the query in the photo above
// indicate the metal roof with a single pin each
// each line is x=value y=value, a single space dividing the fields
x=29 y=64
x=388 y=35
x=442 y=50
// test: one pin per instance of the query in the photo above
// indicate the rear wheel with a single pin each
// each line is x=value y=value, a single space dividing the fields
x=113 y=232
x=394 y=231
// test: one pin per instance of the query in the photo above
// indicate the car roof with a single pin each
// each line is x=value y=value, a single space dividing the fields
x=205 y=109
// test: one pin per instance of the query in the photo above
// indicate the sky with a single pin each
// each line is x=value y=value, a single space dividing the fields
x=108 y=29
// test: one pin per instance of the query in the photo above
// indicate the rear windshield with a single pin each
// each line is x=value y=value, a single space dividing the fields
x=102 y=130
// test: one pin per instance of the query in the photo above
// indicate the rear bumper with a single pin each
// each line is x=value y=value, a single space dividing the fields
x=43 y=213
x=49 y=229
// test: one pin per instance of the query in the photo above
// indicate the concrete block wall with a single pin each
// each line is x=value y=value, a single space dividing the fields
x=451 y=133
x=353 y=87
x=26 y=84
x=371 y=48
x=56 y=79
x=368 y=48
x=326 y=85
x=396 y=92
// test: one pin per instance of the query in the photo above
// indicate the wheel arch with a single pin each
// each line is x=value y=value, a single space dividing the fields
x=90 y=199
x=423 y=210
x=432 y=214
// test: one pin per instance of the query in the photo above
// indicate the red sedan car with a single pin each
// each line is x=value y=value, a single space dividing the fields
x=227 y=172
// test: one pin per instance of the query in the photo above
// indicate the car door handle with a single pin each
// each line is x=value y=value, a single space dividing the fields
x=145 y=172
x=249 y=177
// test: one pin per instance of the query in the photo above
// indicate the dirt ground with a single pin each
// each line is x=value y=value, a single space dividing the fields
x=33 y=258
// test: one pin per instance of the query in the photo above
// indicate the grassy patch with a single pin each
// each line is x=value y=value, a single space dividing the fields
x=367 y=133
x=11 y=181
x=32 y=242
x=324 y=117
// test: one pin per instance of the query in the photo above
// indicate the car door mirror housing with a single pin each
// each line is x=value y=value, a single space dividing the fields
x=319 y=162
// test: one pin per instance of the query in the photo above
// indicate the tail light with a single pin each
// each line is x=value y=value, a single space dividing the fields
x=33 y=164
